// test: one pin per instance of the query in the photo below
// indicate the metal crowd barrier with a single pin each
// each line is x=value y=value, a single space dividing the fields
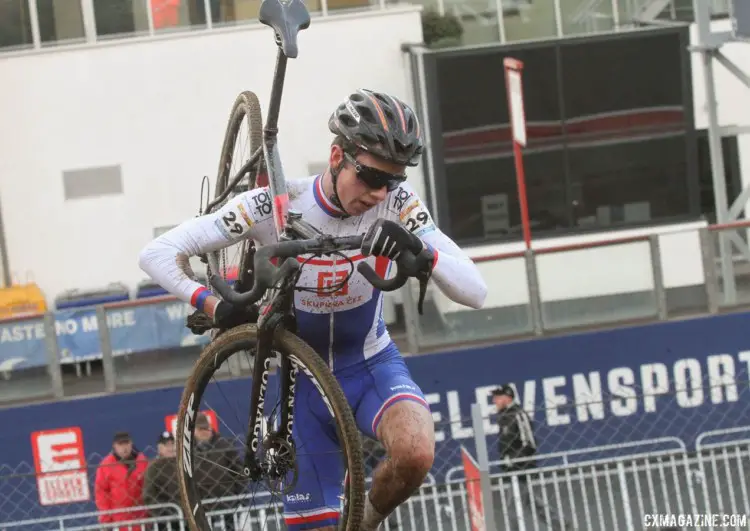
x=595 y=494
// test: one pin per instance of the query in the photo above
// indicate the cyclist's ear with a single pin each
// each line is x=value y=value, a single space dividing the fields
x=336 y=157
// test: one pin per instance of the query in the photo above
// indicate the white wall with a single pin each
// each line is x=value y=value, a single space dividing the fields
x=159 y=107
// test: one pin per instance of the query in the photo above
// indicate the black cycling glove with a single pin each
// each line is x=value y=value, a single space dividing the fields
x=227 y=316
x=389 y=239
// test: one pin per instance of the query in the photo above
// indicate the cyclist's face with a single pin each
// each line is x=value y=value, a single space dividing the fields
x=357 y=197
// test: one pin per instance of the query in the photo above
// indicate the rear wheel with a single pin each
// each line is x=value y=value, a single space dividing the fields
x=206 y=504
x=243 y=136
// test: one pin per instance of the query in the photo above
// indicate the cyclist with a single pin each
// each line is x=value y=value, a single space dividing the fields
x=364 y=190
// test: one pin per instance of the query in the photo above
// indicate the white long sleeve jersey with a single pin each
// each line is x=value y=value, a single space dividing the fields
x=346 y=327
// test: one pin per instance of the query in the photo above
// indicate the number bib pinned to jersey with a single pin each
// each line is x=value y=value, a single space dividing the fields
x=416 y=218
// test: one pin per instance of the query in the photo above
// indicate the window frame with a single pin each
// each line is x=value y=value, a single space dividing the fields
x=436 y=152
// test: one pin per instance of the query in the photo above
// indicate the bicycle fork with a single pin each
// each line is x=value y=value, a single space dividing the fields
x=261 y=371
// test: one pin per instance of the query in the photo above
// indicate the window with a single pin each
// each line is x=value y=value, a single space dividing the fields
x=732 y=173
x=60 y=21
x=480 y=176
x=584 y=17
x=466 y=103
x=484 y=196
x=15 y=24
x=118 y=18
x=626 y=83
x=158 y=231
x=609 y=128
x=232 y=11
x=532 y=20
x=627 y=146
x=628 y=182
x=92 y=182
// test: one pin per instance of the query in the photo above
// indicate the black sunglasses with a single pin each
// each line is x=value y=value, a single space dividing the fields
x=375 y=178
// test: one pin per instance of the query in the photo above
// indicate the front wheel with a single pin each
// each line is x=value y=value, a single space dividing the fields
x=216 y=490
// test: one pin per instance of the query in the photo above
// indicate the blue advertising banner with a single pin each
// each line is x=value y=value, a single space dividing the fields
x=22 y=345
x=614 y=389
x=132 y=329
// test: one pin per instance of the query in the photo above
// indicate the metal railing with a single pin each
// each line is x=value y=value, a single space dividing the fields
x=83 y=521
x=608 y=469
x=547 y=290
x=646 y=277
x=702 y=489
x=619 y=492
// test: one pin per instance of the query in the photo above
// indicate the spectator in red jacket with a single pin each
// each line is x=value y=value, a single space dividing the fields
x=119 y=483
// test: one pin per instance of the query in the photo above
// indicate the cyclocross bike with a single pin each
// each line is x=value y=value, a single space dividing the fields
x=269 y=455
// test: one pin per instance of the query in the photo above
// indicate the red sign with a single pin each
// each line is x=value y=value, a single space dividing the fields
x=473 y=491
x=170 y=421
x=60 y=466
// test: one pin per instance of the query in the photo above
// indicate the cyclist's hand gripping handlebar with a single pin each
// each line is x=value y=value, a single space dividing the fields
x=406 y=266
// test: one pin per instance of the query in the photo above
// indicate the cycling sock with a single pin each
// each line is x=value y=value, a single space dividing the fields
x=373 y=518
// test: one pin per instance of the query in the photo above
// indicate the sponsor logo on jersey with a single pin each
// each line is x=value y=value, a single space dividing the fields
x=245 y=215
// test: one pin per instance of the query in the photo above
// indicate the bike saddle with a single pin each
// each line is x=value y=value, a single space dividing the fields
x=287 y=18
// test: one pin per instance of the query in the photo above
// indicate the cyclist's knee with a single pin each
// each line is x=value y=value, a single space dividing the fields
x=408 y=434
x=414 y=463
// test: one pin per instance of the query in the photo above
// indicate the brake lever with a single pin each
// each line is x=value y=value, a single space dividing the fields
x=423 y=280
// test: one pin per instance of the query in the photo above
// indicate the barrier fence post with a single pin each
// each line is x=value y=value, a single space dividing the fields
x=480 y=441
x=108 y=362
x=625 y=496
x=53 y=355
x=411 y=317
x=660 y=293
x=710 y=279
x=535 y=298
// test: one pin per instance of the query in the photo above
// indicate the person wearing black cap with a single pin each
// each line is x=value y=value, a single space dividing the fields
x=517 y=446
x=119 y=483
x=161 y=485
x=516 y=432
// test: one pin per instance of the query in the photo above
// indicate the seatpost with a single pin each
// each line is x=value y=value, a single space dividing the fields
x=277 y=87
x=276 y=181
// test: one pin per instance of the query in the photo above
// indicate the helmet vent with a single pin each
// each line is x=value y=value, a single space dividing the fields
x=348 y=120
x=367 y=115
